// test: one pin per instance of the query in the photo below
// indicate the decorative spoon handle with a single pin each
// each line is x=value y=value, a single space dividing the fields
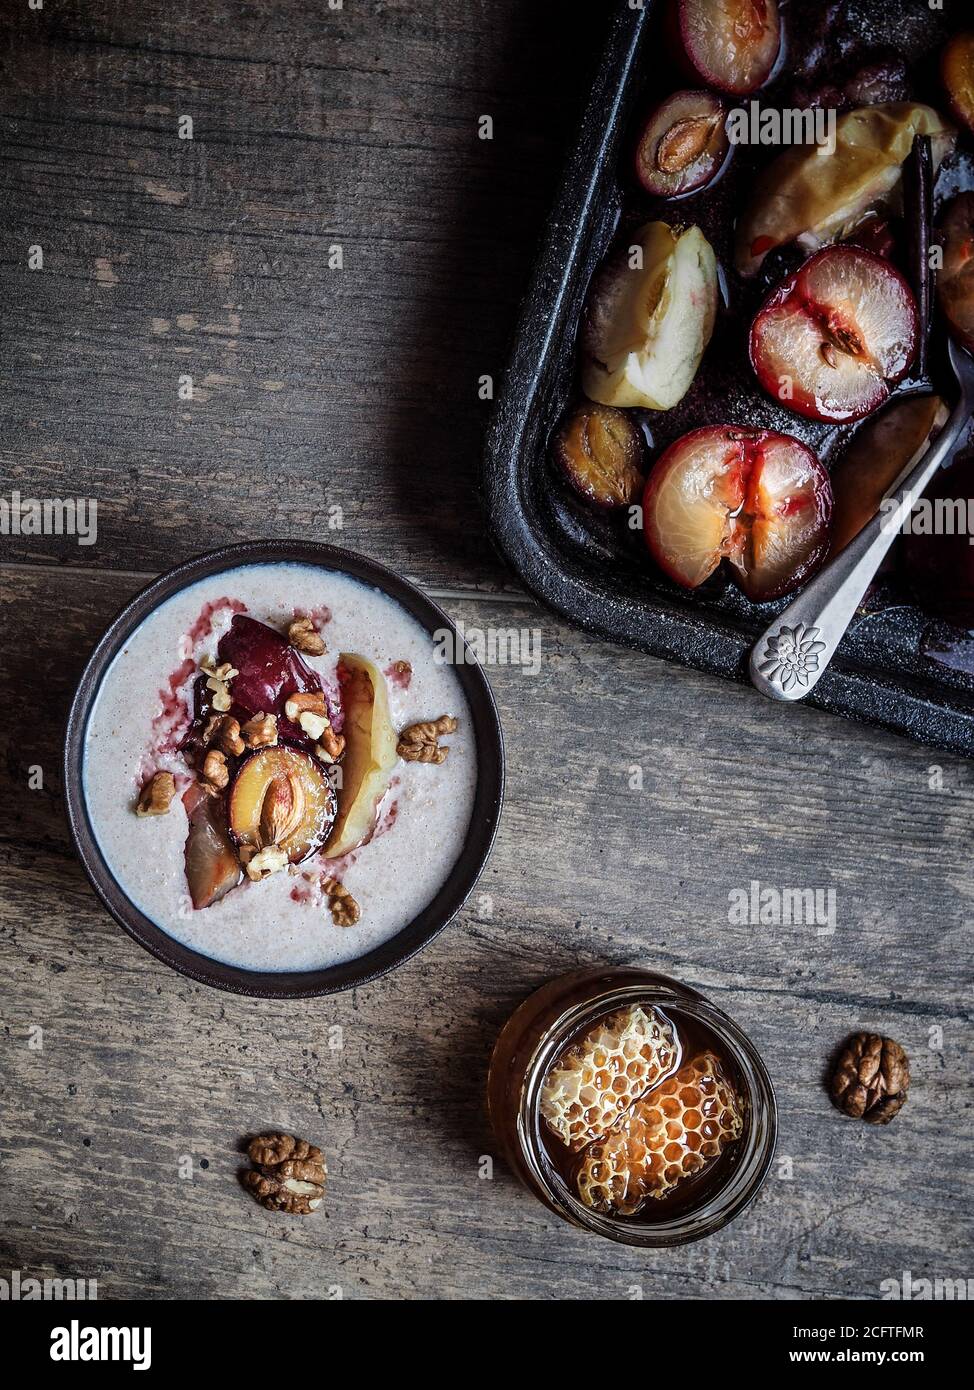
x=791 y=655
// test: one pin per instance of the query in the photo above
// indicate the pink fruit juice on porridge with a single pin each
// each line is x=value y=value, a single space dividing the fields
x=278 y=770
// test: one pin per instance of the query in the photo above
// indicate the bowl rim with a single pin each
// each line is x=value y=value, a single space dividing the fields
x=484 y=819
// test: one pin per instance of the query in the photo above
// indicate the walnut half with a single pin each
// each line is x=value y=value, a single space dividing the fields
x=420 y=743
x=871 y=1079
x=345 y=911
x=156 y=796
x=303 y=635
x=288 y=1174
x=260 y=731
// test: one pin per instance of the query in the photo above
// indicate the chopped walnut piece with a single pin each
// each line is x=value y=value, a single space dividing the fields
x=214 y=775
x=268 y=861
x=420 y=742
x=288 y=1174
x=261 y=731
x=156 y=796
x=345 y=911
x=302 y=634
x=224 y=673
x=306 y=702
x=309 y=711
x=223 y=731
x=331 y=746
x=314 y=725
x=218 y=679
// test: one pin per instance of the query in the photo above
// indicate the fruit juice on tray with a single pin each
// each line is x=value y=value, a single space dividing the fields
x=278 y=770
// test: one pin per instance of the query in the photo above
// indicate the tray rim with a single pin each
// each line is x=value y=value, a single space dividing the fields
x=847 y=690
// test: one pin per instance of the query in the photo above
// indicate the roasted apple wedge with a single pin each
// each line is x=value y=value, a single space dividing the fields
x=281 y=798
x=370 y=752
x=758 y=499
x=834 y=339
x=211 y=861
x=649 y=317
x=814 y=195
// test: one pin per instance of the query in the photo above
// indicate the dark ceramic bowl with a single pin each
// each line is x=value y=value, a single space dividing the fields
x=483 y=823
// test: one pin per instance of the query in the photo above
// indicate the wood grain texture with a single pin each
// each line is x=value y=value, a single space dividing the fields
x=311 y=128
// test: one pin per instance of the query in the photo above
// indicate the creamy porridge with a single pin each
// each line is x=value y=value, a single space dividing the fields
x=303 y=838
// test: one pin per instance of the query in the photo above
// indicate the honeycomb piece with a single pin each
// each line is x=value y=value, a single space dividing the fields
x=596 y=1079
x=670 y=1133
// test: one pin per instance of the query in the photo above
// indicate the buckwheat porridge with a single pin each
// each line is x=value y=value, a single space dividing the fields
x=277 y=770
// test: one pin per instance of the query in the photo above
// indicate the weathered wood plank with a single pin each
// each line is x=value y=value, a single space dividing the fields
x=313 y=387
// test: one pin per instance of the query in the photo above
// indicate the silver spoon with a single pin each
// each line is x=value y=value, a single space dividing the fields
x=790 y=656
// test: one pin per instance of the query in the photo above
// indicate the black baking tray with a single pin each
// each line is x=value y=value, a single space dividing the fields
x=588 y=568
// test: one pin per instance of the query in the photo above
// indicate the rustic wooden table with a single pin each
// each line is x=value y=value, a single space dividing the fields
x=124 y=1088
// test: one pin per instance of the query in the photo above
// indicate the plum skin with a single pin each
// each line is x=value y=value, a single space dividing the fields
x=711 y=167
x=821 y=497
x=320 y=832
x=681 y=47
x=784 y=292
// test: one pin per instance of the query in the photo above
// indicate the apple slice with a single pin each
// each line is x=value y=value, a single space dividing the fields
x=649 y=317
x=754 y=497
x=815 y=195
x=683 y=145
x=834 y=338
x=281 y=797
x=212 y=865
x=955 y=283
x=957 y=74
x=728 y=44
x=370 y=752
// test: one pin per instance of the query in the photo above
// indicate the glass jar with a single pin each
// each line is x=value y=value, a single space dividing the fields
x=564 y=1009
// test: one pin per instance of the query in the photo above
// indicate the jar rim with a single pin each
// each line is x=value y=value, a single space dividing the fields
x=716 y=1208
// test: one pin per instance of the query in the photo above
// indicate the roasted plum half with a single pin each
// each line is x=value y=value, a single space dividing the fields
x=758 y=499
x=957 y=74
x=281 y=798
x=600 y=453
x=211 y=860
x=834 y=339
x=728 y=44
x=955 y=283
x=269 y=670
x=683 y=145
